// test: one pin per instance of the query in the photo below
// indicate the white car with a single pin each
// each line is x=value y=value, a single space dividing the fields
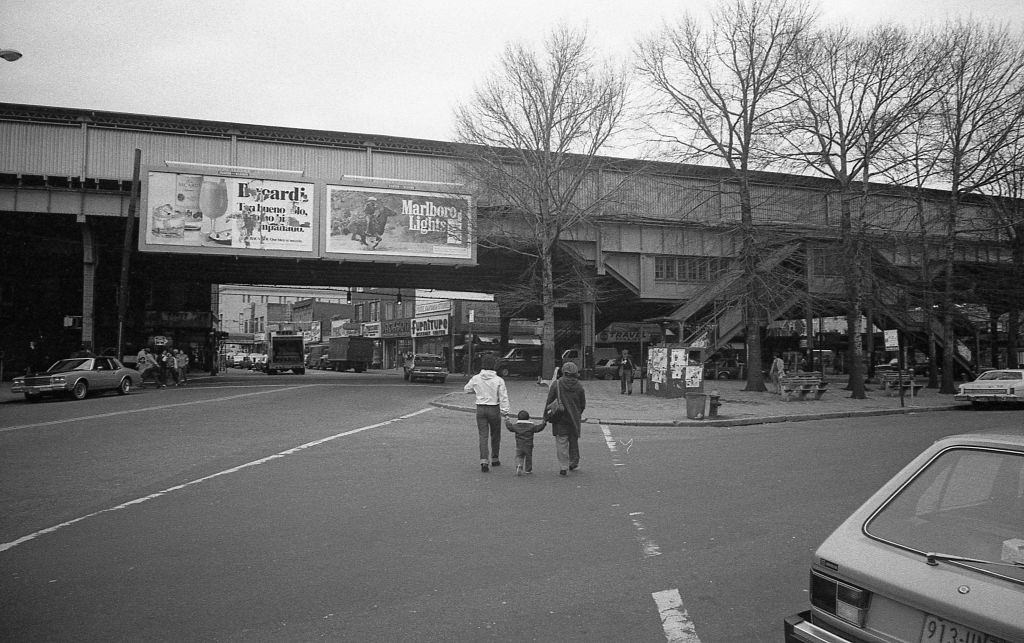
x=1000 y=385
x=935 y=556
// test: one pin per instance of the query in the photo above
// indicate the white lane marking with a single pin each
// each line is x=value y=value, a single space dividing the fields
x=649 y=547
x=674 y=619
x=147 y=409
x=14 y=543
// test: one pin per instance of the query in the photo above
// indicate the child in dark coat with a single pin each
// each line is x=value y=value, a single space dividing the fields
x=524 y=428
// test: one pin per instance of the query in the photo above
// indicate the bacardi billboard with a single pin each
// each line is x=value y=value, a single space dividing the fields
x=214 y=214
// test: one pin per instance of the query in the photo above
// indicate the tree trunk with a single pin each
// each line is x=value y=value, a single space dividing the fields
x=548 y=325
x=947 y=386
x=854 y=279
x=751 y=316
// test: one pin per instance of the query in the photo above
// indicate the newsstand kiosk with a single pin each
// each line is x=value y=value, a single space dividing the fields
x=673 y=371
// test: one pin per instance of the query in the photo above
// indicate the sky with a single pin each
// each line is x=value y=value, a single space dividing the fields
x=378 y=67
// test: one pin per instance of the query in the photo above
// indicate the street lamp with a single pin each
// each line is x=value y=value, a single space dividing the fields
x=10 y=55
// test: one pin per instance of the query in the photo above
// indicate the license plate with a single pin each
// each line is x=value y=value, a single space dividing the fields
x=937 y=630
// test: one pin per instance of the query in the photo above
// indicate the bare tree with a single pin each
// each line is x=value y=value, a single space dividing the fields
x=1006 y=207
x=717 y=90
x=853 y=96
x=532 y=134
x=980 y=109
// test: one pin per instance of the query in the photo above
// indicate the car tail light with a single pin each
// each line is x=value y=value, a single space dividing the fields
x=839 y=599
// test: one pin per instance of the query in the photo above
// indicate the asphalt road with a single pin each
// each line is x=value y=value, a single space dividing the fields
x=345 y=507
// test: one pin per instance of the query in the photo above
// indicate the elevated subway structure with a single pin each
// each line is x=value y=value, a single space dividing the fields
x=666 y=245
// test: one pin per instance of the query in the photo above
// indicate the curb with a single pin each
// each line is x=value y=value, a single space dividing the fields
x=725 y=422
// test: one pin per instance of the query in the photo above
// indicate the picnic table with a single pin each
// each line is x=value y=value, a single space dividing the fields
x=801 y=384
x=893 y=381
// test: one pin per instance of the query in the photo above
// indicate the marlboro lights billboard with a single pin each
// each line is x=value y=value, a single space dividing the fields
x=375 y=224
x=199 y=213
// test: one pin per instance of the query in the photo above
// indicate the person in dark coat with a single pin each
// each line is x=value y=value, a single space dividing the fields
x=524 y=428
x=626 y=367
x=567 y=428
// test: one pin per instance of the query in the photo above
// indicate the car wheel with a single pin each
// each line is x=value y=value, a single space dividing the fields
x=503 y=372
x=125 y=387
x=80 y=390
x=609 y=376
x=724 y=375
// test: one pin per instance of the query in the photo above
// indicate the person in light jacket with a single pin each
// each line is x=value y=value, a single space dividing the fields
x=491 y=404
x=567 y=428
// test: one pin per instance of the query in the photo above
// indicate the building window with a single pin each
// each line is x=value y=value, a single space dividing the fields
x=374 y=311
x=689 y=269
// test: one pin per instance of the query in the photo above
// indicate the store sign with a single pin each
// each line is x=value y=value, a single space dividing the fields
x=212 y=214
x=892 y=340
x=338 y=328
x=371 y=330
x=631 y=333
x=396 y=328
x=432 y=306
x=430 y=326
x=312 y=335
x=369 y=224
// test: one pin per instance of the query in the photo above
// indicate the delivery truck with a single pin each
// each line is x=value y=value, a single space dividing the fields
x=285 y=352
x=349 y=353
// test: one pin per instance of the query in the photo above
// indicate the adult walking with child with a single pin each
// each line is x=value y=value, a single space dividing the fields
x=566 y=426
x=491 y=404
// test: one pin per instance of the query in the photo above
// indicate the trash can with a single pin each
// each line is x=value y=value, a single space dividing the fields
x=702 y=405
x=695 y=406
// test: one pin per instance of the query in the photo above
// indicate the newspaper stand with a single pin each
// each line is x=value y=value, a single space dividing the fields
x=675 y=370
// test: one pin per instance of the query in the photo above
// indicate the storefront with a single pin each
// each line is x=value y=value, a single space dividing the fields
x=432 y=334
x=396 y=340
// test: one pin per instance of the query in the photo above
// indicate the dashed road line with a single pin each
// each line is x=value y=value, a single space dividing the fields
x=14 y=543
x=675 y=621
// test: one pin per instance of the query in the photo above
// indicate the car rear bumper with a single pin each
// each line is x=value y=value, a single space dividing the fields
x=798 y=629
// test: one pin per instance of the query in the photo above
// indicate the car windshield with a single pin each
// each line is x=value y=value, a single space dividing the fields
x=966 y=502
x=65 y=365
x=1001 y=375
x=430 y=360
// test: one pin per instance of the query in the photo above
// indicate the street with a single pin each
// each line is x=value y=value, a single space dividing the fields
x=339 y=506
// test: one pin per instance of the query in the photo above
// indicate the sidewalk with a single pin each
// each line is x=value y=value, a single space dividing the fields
x=605 y=405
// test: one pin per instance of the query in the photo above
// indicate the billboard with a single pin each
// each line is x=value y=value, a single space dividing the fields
x=215 y=214
x=374 y=224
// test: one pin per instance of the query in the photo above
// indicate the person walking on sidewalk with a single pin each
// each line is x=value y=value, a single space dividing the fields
x=491 y=404
x=524 y=428
x=567 y=427
x=626 y=367
x=777 y=370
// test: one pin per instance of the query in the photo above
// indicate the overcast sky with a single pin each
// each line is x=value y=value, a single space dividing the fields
x=367 y=66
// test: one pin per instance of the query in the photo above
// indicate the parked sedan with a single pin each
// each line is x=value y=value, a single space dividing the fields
x=1001 y=385
x=935 y=556
x=77 y=377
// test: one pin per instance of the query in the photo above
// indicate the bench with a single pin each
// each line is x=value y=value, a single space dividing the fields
x=801 y=384
x=893 y=381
